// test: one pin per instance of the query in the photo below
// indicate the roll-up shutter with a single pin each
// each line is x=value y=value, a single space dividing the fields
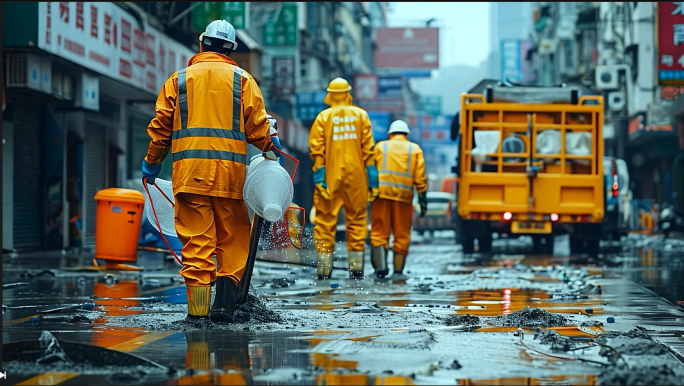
x=94 y=170
x=28 y=193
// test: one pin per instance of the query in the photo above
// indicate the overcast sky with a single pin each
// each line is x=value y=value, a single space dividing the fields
x=464 y=28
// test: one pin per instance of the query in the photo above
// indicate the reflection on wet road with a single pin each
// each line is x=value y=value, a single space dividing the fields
x=506 y=318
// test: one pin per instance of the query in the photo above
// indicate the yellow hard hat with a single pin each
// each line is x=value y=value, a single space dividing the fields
x=339 y=85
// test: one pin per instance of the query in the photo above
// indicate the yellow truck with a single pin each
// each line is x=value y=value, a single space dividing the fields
x=530 y=163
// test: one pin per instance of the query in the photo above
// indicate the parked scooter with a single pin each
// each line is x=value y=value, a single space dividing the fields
x=671 y=220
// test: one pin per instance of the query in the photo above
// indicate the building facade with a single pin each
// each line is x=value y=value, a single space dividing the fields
x=626 y=52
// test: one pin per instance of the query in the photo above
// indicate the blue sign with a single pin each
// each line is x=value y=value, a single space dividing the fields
x=511 y=61
x=310 y=104
x=380 y=121
x=389 y=86
x=431 y=104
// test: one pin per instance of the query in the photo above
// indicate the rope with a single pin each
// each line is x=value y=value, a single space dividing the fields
x=157 y=220
x=172 y=204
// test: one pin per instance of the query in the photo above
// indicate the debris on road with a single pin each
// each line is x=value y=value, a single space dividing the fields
x=530 y=317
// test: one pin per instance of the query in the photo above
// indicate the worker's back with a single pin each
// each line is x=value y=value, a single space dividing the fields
x=218 y=111
x=401 y=167
x=346 y=134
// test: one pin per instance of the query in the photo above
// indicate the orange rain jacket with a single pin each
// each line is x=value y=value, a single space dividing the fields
x=208 y=124
x=400 y=168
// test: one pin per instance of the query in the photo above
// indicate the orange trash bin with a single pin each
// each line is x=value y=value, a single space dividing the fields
x=117 y=225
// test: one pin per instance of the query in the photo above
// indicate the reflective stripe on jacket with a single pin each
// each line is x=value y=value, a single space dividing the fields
x=208 y=113
x=401 y=167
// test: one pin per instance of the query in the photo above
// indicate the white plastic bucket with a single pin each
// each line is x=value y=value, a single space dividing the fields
x=164 y=209
x=268 y=188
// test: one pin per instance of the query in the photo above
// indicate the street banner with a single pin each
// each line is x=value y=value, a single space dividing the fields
x=234 y=13
x=106 y=39
x=380 y=121
x=389 y=87
x=365 y=87
x=282 y=32
x=309 y=104
x=431 y=104
x=670 y=43
x=283 y=77
x=407 y=48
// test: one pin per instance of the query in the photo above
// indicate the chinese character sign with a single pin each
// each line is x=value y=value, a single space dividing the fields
x=511 y=63
x=284 y=31
x=106 y=39
x=671 y=43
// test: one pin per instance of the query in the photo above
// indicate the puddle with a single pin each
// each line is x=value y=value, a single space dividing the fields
x=452 y=319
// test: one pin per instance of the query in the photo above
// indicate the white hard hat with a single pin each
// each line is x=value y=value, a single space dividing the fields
x=398 y=126
x=220 y=29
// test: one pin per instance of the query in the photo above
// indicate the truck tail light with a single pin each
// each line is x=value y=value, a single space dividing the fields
x=554 y=217
x=507 y=216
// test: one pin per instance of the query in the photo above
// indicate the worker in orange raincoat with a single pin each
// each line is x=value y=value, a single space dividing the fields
x=345 y=175
x=402 y=168
x=206 y=114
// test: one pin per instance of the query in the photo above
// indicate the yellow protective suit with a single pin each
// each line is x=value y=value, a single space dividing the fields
x=341 y=140
x=206 y=114
x=401 y=167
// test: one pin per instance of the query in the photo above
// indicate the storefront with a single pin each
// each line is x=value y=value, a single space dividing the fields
x=651 y=151
x=73 y=71
x=678 y=163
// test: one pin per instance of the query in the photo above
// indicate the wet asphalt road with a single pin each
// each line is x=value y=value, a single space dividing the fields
x=454 y=319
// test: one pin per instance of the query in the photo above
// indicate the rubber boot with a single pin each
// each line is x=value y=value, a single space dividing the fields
x=198 y=303
x=399 y=261
x=379 y=261
x=324 y=265
x=356 y=265
x=223 y=309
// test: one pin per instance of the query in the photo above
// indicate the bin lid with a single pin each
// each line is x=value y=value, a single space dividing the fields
x=120 y=195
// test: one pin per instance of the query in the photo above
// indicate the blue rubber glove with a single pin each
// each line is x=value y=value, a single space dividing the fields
x=276 y=144
x=319 y=182
x=372 y=171
x=373 y=183
x=150 y=172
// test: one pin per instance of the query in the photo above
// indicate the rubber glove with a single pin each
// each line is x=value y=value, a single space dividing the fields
x=150 y=172
x=275 y=140
x=373 y=184
x=422 y=201
x=319 y=182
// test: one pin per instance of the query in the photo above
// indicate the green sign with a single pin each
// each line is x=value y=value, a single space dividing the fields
x=431 y=104
x=284 y=31
x=204 y=14
x=234 y=13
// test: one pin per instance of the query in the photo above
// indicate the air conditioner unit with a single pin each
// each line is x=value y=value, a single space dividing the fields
x=87 y=94
x=616 y=101
x=29 y=70
x=607 y=78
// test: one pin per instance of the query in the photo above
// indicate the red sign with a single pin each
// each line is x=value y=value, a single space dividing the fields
x=407 y=48
x=671 y=92
x=670 y=35
x=365 y=87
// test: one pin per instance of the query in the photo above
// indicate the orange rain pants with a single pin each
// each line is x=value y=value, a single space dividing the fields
x=395 y=216
x=209 y=225
x=355 y=216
